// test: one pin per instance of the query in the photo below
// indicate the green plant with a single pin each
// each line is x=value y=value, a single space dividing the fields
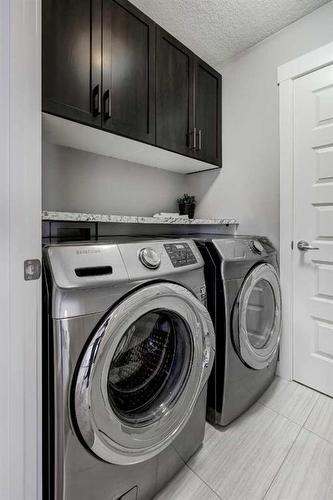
x=186 y=199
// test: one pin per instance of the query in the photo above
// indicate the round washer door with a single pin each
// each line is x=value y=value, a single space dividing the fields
x=142 y=372
x=257 y=317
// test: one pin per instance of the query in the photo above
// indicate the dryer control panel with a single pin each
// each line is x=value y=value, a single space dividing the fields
x=180 y=254
x=243 y=248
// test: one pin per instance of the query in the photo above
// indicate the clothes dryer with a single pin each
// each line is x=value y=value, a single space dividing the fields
x=244 y=301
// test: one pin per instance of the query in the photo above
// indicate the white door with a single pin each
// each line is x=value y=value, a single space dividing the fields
x=313 y=224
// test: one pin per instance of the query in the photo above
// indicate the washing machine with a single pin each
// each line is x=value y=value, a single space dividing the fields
x=244 y=301
x=128 y=345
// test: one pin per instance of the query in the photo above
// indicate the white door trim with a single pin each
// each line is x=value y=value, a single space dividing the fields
x=20 y=221
x=287 y=74
x=4 y=250
x=307 y=63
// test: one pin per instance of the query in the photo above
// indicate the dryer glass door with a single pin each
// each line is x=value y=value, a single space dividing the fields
x=142 y=372
x=260 y=314
x=257 y=317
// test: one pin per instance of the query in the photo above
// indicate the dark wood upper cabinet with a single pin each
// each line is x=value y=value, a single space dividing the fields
x=188 y=102
x=128 y=100
x=107 y=65
x=71 y=60
x=174 y=94
x=208 y=108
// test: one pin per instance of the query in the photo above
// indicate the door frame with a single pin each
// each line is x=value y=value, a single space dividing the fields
x=20 y=223
x=287 y=74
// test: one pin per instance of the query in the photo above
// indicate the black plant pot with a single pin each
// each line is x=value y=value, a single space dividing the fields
x=187 y=209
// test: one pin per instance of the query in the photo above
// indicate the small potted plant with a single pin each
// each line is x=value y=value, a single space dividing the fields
x=186 y=205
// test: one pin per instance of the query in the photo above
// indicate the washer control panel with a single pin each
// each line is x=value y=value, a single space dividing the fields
x=180 y=254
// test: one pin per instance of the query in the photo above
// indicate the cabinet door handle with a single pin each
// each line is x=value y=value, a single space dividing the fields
x=193 y=139
x=199 y=140
x=96 y=101
x=107 y=104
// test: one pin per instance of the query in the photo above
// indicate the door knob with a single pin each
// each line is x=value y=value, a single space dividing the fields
x=304 y=246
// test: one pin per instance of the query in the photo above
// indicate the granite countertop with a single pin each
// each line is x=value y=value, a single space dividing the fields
x=130 y=219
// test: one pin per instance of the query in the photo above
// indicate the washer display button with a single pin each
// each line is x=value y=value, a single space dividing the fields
x=180 y=254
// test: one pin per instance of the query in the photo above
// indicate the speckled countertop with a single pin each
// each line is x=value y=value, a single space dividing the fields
x=130 y=219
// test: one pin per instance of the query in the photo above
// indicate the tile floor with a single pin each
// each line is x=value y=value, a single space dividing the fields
x=282 y=448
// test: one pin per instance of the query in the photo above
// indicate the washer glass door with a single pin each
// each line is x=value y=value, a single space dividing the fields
x=150 y=366
x=142 y=372
x=257 y=317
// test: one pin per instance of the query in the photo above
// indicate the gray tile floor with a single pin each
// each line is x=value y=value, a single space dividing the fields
x=282 y=448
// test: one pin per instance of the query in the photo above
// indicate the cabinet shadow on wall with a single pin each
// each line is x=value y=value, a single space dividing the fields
x=200 y=183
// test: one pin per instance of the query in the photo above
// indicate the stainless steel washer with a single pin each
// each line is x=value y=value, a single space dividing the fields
x=128 y=347
x=244 y=301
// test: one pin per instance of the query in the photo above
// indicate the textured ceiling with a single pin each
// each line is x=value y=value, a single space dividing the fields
x=218 y=29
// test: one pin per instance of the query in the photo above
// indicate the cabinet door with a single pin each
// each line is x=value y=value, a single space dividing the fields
x=72 y=59
x=208 y=110
x=128 y=71
x=174 y=94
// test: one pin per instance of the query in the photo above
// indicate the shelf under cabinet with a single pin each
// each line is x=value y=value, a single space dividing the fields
x=67 y=133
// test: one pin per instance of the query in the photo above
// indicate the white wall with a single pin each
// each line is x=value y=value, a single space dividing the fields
x=248 y=185
x=83 y=182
